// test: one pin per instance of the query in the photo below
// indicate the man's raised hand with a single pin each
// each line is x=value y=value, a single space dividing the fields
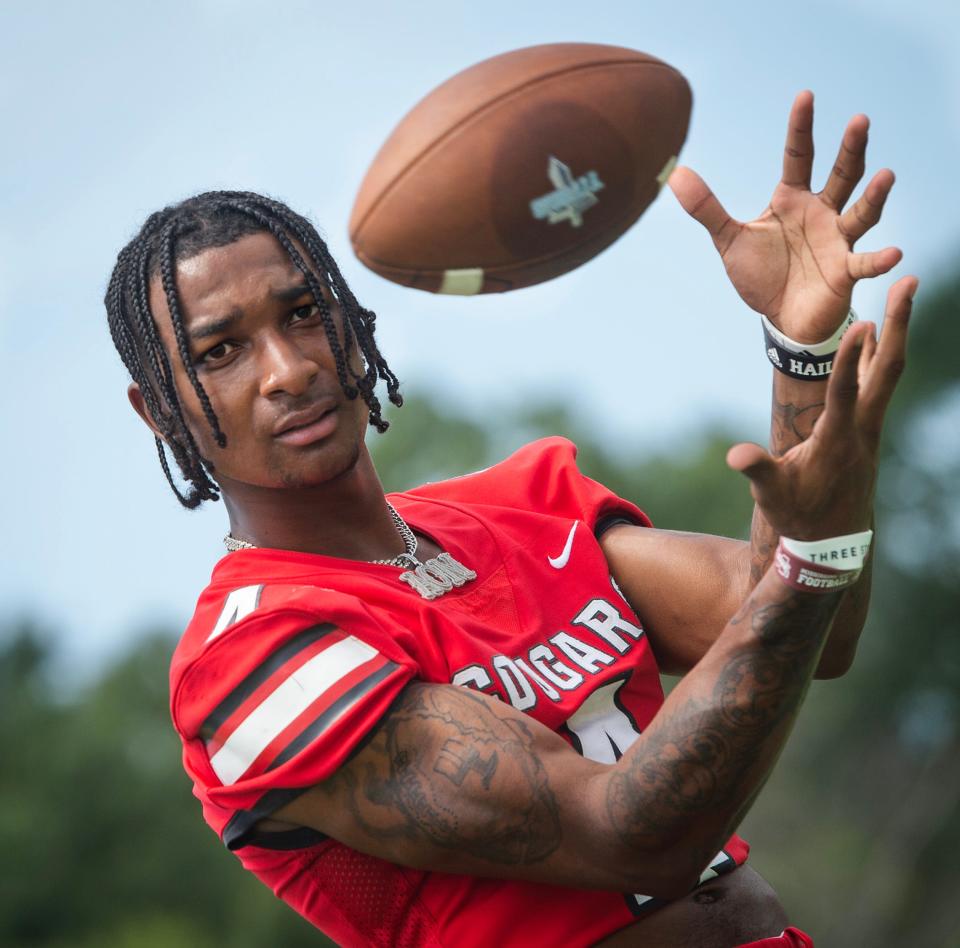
x=795 y=263
x=823 y=487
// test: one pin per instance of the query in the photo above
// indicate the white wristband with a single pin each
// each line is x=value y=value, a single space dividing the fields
x=827 y=347
x=845 y=553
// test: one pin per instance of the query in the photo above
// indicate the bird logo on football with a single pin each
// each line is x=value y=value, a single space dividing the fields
x=571 y=196
x=456 y=200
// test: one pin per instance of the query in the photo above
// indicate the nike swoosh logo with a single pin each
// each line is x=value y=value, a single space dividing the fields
x=560 y=561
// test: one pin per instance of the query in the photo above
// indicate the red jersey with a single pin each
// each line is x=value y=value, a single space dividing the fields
x=291 y=659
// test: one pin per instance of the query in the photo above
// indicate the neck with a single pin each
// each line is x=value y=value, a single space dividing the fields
x=345 y=517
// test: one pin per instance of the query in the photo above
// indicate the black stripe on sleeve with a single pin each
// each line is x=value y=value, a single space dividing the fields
x=300 y=838
x=241 y=831
x=611 y=520
x=329 y=715
x=260 y=674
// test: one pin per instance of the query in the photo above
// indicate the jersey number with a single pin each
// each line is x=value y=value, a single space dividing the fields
x=602 y=729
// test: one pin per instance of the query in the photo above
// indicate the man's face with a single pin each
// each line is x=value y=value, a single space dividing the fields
x=259 y=348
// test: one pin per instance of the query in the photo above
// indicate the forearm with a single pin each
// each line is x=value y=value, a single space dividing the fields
x=457 y=781
x=796 y=405
x=684 y=786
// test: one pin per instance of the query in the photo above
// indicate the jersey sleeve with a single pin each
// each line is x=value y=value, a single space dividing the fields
x=277 y=701
x=543 y=476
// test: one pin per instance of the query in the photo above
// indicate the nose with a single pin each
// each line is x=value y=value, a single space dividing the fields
x=285 y=368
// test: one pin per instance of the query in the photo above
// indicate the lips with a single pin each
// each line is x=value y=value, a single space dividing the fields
x=304 y=417
x=308 y=425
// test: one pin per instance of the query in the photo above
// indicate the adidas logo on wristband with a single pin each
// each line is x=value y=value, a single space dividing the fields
x=807 y=362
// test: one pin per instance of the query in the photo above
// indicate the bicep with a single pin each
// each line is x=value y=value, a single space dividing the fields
x=683 y=586
x=456 y=781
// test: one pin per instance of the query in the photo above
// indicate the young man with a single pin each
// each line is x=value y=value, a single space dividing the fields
x=437 y=720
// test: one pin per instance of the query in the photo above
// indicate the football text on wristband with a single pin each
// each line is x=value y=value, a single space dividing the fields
x=812 y=362
x=822 y=566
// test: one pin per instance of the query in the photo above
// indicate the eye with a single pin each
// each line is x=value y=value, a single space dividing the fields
x=216 y=355
x=306 y=312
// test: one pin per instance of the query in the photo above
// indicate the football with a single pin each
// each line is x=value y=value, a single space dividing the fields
x=520 y=168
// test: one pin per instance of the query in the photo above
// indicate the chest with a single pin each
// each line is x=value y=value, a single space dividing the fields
x=544 y=628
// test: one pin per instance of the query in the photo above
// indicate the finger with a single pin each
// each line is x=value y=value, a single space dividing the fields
x=858 y=219
x=862 y=266
x=888 y=363
x=848 y=168
x=798 y=150
x=843 y=387
x=753 y=461
x=866 y=355
x=702 y=205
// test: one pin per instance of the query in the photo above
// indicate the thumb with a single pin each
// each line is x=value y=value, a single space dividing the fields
x=753 y=462
x=698 y=200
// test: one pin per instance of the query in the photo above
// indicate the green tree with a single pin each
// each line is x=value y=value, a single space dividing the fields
x=105 y=844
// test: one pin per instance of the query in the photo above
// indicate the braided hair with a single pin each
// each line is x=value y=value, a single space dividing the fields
x=181 y=231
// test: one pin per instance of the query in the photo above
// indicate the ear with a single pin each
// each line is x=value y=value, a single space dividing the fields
x=139 y=404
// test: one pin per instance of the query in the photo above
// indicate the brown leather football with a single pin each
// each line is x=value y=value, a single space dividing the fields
x=520 y=168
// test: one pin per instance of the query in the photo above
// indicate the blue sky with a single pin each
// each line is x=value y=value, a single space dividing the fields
x=110 y=110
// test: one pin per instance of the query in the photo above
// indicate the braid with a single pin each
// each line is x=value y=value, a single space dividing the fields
x=167 y=267
x=173 y=425
x=181 y=231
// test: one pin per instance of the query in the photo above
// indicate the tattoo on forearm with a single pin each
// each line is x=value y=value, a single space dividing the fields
x=417 y=792
x=763 y=542
x=791 y=424
x=706 y=752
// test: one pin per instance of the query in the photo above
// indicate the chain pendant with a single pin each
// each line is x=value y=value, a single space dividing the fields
x=437 y=576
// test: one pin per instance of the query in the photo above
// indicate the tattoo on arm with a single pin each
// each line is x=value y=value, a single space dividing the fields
x=451 y=770
x=441 y=768
x=707 y=751
x=792 y=421
x=791 y=424
x=763 y=542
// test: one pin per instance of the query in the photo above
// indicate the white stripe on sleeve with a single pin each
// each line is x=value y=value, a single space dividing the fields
x=285 y=704
x=238 y=605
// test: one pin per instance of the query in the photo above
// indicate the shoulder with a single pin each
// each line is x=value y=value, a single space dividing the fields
x=499 y=479
x=542 y=477
x=244 y=636
x=282 y=690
